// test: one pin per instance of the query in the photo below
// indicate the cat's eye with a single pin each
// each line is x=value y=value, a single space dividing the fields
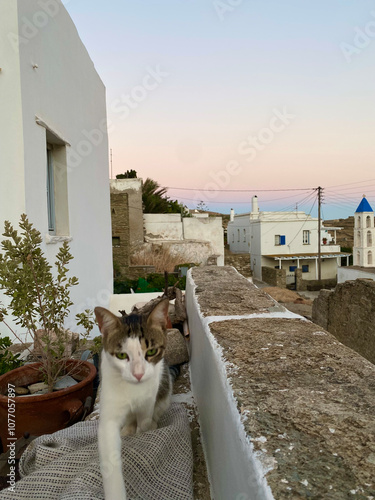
x=151 y=352
x=121 y=355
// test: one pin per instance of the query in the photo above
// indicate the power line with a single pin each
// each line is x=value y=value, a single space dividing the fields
x=240 y=190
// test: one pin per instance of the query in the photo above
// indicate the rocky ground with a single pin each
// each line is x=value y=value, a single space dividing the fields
x=298 y=303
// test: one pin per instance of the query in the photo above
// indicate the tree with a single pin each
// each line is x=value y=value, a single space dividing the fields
x=129 y=174
x=156 y=201
x=202 y=206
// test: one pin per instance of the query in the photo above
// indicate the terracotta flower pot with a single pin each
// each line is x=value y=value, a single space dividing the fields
x=42 y=414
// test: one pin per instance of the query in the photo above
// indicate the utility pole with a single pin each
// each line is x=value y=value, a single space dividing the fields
x=319 y=234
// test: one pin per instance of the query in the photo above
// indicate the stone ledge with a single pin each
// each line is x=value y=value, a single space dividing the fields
x=286 y=411
x=225 y=292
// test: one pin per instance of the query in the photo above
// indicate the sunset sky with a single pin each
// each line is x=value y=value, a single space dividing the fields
x=218 y=96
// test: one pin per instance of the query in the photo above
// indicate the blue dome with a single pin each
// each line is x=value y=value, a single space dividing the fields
x=364 y=206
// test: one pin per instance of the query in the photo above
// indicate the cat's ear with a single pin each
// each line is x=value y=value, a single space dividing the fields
x=158 y=316
x=106 y=320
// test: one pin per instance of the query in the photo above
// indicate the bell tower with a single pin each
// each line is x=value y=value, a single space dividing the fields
x=364 y=235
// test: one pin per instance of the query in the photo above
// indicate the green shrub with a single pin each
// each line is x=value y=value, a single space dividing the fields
x=153 y=282
x=8 y=360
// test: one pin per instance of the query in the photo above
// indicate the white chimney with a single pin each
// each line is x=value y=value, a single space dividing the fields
x=231 y=215
x=254 y=205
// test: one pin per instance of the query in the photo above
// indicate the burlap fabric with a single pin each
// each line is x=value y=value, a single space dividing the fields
x=157 y=465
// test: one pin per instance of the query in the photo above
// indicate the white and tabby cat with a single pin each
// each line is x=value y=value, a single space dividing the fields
x=135 y=385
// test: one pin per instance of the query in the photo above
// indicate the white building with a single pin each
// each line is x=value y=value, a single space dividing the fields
x=364 y=235
x=364 y=245
x=54 y=146
x=285 y=240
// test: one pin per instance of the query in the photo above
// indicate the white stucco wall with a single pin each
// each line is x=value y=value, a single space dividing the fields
x=201 y=237
x=238 y=234
x=329 y=267
x=56 y=81
x=163 y=227
x=12 y=185
x=206 y=229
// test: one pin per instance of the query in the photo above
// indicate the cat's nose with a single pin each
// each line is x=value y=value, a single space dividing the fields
x=138 y=376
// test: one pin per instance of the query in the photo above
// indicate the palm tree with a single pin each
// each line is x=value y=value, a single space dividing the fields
x=154 y=198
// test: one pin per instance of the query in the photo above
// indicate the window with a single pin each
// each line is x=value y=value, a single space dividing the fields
x=56 y=181
x=306 y=237
x=368 y=221
x=369 y=258
x=238 y=235
x=279 y=240
x=359 y=238
x=233 y=237
x=57 y=188
x=50 y=192
x=115 y=241
x=292 y=269
x=305 y=268
x=369 y=239
x=244 y=234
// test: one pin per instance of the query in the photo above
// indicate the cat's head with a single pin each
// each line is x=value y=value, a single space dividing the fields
x=134 y=343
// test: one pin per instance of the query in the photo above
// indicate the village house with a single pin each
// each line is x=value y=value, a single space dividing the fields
x=54 y=145
x=285 y=241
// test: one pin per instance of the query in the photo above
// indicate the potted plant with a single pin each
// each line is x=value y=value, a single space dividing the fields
x=40 y=303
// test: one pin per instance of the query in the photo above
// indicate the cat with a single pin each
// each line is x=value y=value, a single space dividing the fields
x=135 y=385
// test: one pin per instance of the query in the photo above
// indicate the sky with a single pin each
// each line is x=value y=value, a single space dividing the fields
x=219 y=100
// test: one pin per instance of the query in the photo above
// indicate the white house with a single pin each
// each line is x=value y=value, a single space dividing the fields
x=54 y=145
x=285 y=240
x=364 y=245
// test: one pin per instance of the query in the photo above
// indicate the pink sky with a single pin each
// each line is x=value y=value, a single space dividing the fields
x=284 y=91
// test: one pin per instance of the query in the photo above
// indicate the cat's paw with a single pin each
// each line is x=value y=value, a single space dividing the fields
x=129 y=430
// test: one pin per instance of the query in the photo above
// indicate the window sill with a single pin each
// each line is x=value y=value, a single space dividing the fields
x=52 y=239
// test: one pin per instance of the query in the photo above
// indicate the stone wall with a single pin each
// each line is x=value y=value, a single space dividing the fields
x=133 y=188
x=274 y=277
x=348 y=313
x=286 y=411
x=240 y=261
x=316 y=285
x=120 y=231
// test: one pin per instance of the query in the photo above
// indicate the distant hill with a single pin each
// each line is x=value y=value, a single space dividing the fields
x=345 y=237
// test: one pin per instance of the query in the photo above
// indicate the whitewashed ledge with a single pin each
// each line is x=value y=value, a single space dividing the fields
x=286 y=411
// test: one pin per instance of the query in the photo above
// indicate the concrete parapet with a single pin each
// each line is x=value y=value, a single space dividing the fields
x=286 y=411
